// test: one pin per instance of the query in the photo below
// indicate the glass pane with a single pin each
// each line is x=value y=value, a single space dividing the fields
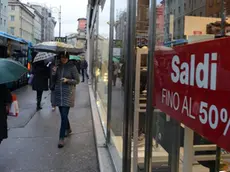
x=179 y=23
x=118 y=72
x=102 y=62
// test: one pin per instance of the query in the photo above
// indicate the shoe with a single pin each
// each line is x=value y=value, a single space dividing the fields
x=53 y=109
x=39 y=108
x=61 y=144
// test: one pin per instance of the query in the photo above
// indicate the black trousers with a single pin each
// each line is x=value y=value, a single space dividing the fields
x=39 y=97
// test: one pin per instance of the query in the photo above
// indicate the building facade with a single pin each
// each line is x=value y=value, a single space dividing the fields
x=48 y=22
x=37 y=25
x=176 y=11
x=4 y=15
x=21 y=20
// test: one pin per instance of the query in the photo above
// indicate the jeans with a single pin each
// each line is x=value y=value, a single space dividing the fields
x=65 y=125
x=83 y=73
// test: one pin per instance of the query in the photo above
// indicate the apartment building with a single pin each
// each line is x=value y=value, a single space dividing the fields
x=175 y=11
x=21 y=20
x=37 y=25
x=48 y=22
x=3 y=15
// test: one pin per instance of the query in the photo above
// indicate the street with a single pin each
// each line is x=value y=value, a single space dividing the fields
x=33 y=137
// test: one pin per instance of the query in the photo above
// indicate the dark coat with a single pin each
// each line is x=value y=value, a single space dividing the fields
x=84 y=64
x=41 y=77
x=65 y=92
x=5 y=99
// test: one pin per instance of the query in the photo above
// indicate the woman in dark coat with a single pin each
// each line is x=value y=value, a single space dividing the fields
x=66 y=77
x=40 y=81
x=5 y=101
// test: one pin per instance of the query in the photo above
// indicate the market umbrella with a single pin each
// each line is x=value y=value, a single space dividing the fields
x=10 y=71
x=43 y=56
x=57 y=47
x=72 y=57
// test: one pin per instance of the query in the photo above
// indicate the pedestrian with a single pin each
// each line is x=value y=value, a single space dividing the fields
x=5 y=102
x=66 y=77
x=84 y=66
x=40 y=80
x=115 y=73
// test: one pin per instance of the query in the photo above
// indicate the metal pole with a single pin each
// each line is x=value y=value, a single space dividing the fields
x=128 y=100
x=150 y=85
x=218 y=156
x=60 y=22
x=110 y=70
x=222 y=17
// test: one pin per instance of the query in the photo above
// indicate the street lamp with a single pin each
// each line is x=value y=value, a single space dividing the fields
x=59 y=17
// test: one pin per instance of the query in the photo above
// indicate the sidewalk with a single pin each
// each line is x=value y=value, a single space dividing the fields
x=27 y=106
x=33 y=148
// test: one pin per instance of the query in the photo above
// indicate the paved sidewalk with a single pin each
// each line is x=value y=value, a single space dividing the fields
x=27 y=106
x=33 y=148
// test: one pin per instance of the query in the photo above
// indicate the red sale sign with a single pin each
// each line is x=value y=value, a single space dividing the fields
x=192 y=85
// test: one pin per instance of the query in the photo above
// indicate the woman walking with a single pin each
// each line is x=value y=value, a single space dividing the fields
x=66 y=77
x=40 y=81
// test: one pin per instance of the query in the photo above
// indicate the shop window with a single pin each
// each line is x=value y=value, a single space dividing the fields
x=211 y=3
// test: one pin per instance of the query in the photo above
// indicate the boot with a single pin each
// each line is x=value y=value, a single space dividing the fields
x=39 y=106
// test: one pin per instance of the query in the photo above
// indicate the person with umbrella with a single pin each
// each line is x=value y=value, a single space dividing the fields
x=66 y=78
x=40 y=80
x=9 y=71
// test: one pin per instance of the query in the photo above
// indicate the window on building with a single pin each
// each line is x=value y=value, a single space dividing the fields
x=184 y=6
x=5 y=8
x=12 y=8
x=179 y=10
x=12 y=18
x=12 y=30
x=1 y=21
x=178 y=22
x=174 y=12
x=4 y=22
x=201 y=14
x=1 y=6
x=190 y=1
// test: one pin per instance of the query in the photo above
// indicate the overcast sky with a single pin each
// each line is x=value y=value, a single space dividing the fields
x=71 y=11
x=74 y=9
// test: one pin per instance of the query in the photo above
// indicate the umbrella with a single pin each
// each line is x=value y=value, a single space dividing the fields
x=74 y=57
x=57 y=47
x=43 y=56
x=116 y=60
x=10 y=71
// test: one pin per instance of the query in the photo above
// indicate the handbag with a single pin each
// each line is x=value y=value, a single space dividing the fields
x=30 y=81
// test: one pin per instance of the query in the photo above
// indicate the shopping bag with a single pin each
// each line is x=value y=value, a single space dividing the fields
x=14 y=109
x=30 y=81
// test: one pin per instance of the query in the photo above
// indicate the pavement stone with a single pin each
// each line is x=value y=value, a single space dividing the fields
x=27 y=106
x=33 y=148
